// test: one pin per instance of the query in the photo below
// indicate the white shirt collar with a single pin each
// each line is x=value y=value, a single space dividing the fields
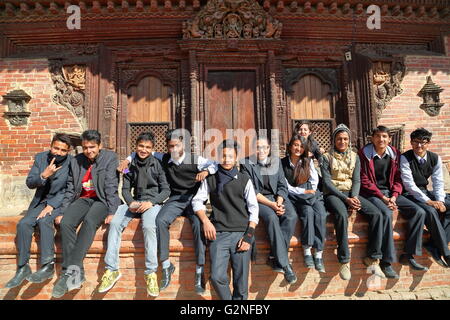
x=291 y=164
x=263 y=162
x=419 y=157
x=375 y=154
x=179 y=161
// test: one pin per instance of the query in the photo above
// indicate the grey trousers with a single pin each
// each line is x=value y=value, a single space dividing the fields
x=279 y=229
x=91 y=213
x=340 y=210
x=221 y=250
x=434 y=224
x=416 y=220
x=25 y=230
x=314 y=219
x=173 y=208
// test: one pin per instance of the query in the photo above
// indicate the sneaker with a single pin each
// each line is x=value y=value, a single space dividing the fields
x=374 y=266
x=109 y=278
x=152 y=284
x=344 y=271
x=166 y=276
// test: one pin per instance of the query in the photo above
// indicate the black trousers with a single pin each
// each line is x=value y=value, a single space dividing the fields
x=279 y=229
x=91 y=213
x=340 y=211
x=25 y=230
x=173 y=208
x=416 y=220
x=313 y=219
x=221 y=251
x=434 y=223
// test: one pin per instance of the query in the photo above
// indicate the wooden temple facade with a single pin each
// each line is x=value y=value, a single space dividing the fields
x=136 y=65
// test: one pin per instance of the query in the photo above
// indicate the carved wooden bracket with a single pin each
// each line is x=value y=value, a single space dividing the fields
x=386 y=84
x=232 y=19
x=70 y=84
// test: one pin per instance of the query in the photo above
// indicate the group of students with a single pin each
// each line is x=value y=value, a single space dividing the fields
x=159 y=187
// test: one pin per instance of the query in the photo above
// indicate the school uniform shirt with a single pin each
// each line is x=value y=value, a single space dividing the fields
x=313 y=179
x=198 y=201
x=203 y=163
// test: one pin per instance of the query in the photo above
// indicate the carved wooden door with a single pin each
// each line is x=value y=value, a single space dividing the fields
x=148 y=109
x=231 y=105
x=312 y=100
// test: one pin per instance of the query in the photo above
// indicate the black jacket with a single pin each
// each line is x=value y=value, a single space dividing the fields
x=104 y=177
x=277 y=181
x=157 y=186
x=53 y=195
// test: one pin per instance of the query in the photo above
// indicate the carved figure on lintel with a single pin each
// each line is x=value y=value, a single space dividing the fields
x=232 y=26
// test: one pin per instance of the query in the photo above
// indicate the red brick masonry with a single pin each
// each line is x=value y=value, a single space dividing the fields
x=264 y=283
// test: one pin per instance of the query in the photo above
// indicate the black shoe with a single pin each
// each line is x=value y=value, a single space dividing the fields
x=318 y=264
x=388 y=271
x=21 y=274
x=434 y=253
x=406 y=259
x=166 y=276
x=60 y=287
x=447 y=261
x=309 y=261
x=271 y=262
x=44 y=273
x=289 y=274
x=199 y=283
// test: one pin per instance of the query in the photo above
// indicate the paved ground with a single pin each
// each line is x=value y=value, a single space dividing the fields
x=436 y=293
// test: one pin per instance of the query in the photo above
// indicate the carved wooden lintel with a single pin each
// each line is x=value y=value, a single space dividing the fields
x=232 y=19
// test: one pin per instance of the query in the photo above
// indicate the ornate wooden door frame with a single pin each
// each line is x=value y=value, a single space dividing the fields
x=129 y=76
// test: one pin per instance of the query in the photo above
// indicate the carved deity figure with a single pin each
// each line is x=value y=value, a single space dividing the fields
x=248 y=31
x=232 y=26
x=75 y=75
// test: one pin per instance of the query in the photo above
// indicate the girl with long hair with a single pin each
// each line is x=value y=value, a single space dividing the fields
x=302 y=179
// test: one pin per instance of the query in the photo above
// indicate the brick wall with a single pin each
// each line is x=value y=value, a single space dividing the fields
x=18 y=145
x=404 y=109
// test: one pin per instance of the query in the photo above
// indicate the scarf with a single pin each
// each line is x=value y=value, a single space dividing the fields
x=58 y=159
x=142 y=179
x=224 y=176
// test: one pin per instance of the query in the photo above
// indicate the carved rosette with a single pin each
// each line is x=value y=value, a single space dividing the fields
x=232 y=19
x=69 y=84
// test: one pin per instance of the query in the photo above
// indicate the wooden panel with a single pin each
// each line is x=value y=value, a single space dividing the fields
x=219 y=114
x=149 y=102
x=310 y=99
x=231 y=103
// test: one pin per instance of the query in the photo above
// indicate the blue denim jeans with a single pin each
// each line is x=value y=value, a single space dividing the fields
x=120 y=221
